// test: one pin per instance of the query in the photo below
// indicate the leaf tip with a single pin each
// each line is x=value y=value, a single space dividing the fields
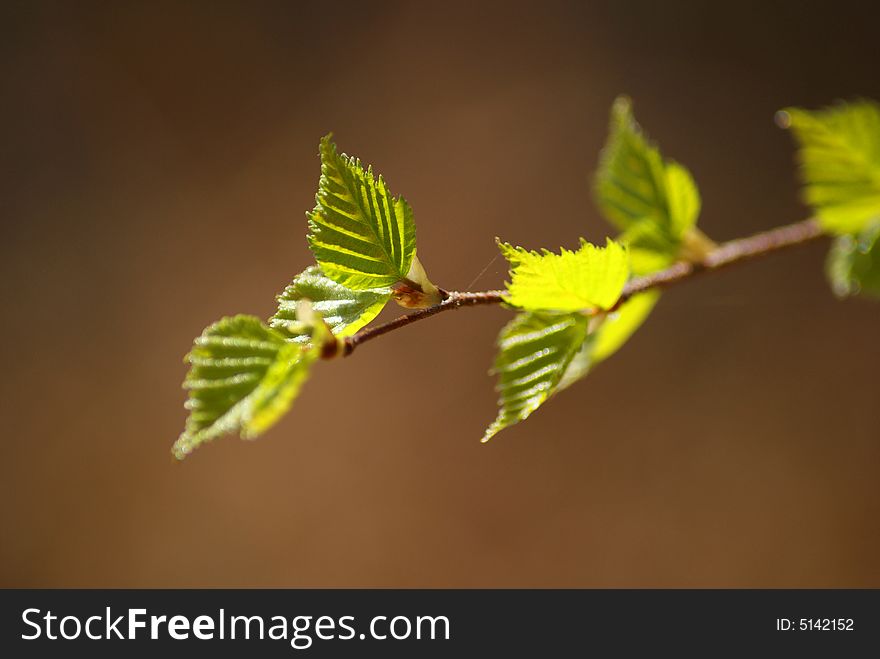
x=327 y=148
x=508 y=251
x=182 y=447
x=491 y=431
x=622 y=106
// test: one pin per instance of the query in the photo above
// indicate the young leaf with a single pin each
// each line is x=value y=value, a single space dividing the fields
x=635 y=185
x=416 y=291
x=343 y=309
x=840 y=162
x=854 y=263
x=591 y=277
x=361 y=236
x=534 y=351
x=243 y=377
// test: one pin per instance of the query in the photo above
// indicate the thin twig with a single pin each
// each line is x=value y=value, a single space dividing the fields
x=729 y=253
x=726 y=254
x=454 y=300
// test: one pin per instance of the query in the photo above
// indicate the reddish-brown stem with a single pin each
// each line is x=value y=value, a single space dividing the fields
x=729 y=253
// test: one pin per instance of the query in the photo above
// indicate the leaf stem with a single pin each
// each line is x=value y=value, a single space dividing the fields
x=726 y=254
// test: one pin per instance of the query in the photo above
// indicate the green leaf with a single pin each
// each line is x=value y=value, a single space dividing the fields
x=591 y=277
x=840 y=162
x=534 y=351
x=854 y=263
x=634 y=185
x=243 y=377
x=343 y=309
x=361 y=236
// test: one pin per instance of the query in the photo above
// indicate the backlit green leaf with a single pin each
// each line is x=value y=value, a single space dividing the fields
x=635 y=185
x=243 y=377
x=361 y=236
x=854 y=263
x=591 y=277
x=343 y=309
x=840 y=162
x=534 y=351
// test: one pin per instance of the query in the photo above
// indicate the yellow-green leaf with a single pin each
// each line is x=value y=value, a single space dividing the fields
x=839 y=156
x=614 y=331
x=589 y=278
x=621 y=324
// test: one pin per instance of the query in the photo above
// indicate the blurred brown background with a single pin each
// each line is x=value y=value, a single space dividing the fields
x=157 y=161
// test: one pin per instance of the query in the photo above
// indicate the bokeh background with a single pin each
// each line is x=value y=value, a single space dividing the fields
x=157 y=160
